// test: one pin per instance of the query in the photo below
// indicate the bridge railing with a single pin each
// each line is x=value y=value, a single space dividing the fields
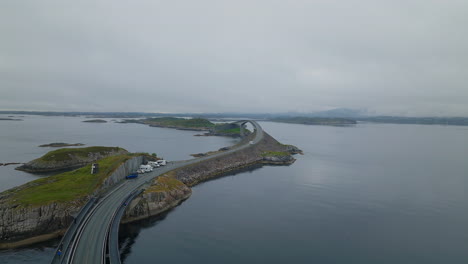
x=113 y=232
x=64 y=244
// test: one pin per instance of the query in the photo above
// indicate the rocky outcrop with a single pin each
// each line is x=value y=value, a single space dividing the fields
x=69 y=158
x=164 y=194
x=278 y=159
x=21 y=226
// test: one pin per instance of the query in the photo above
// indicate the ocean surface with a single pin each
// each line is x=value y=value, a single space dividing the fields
x=370 y=193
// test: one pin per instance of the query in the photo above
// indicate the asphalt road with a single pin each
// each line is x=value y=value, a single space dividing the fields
x=88 y=247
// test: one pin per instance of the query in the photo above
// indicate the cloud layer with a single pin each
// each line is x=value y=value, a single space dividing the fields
x=392 y=57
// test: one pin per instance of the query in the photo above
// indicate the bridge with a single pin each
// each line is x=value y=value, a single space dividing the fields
x=93 y=236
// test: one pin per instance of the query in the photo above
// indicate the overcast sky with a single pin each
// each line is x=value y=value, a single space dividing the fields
x=400 y=57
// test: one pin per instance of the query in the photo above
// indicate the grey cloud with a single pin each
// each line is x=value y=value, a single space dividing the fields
x=393 y=57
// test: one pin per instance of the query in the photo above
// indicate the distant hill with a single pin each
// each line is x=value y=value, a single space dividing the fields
x=340 y=112
x=457 y=121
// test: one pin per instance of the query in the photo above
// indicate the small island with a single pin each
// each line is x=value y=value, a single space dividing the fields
x=10 y=119
x=324 y=121
x=95 y=121
x=69 y=158
x=61 y=144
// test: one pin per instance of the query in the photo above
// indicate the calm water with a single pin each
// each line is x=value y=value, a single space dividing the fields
x=364 y=194
x=371 y=193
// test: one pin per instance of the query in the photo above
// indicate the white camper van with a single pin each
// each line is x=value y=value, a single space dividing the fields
x=162 y=162
x=146 y=168
x=153 y=164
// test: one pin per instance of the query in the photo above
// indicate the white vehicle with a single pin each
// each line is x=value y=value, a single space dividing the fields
x=251 y=142
x=153 y=164
x=146 y=168
x=162 y=162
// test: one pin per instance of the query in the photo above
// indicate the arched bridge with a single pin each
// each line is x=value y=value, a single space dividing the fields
x=93 y=236
x=241 y=124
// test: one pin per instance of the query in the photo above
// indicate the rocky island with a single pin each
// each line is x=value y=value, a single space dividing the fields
x=69 y=158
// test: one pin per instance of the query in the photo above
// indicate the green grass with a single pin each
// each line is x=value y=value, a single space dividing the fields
x=180 y=122
x=230 y=131
x=66 y=186
x=163 y=184
x=274 y=154
x=65 y=153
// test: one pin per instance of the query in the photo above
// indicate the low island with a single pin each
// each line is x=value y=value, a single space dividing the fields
x=61 y=145
x=69 y=158
x=95 y=121
x=10 y=119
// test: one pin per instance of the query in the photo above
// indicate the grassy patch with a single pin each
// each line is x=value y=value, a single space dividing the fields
x=66 y=153
x=229 y=129
x=66 y=186
x=163 y=184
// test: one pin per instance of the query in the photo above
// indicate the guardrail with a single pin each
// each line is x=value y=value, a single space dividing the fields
x=112 y=242
x=69 y=235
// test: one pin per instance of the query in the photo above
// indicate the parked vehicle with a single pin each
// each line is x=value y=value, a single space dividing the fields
x=146 y=168
x=162 y=162
x=140 y=171
x=153 y=164
x=132 y=175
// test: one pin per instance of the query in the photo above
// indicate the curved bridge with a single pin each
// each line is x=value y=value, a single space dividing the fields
x=93 y=237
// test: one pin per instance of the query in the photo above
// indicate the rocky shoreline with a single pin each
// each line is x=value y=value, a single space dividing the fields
x=154 y=201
